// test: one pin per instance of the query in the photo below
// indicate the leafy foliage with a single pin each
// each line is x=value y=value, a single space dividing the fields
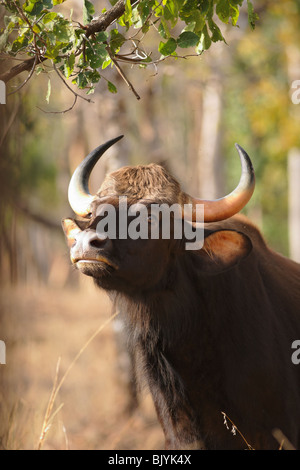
x=81 y=51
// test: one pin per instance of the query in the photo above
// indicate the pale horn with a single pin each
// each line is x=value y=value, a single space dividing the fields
x=227 y=206
x=79 y=195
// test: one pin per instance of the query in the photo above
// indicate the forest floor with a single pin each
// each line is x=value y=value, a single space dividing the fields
x=43 y=327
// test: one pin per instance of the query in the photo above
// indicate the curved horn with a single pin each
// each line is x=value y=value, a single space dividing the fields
x=79 y=196
x=227 y=206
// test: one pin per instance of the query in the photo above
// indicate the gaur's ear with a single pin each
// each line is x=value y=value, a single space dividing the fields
x=71 y=229
x=223 y=250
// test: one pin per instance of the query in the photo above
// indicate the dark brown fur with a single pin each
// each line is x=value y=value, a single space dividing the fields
x=211 y=330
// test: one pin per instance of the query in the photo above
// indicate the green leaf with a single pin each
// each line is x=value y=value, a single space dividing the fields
x=53 y=52
x=39 y=69
x=19 y=43
x=167 y=48
x=196 y=22
x=96 y=55
x=11 y=21
x=145 y=27
x=223 y=10
x=172 y=8
x=171 y=12
x=187 y=39
x=163 y=29
x=69 y=65
x=144 y=10
x=101 y=37
x=163 y=33
x=81 y=80
x=51 y=39
x=86 y=79
x=63 y=31
x=88 y=11
x=126 y=19
x=234 y=14
x=36 y=28
x=205 y=41
x=106 y=63
x=91 y=90
x=116 y=40
x=3 y=39
x=35 y=7
x=111 y=87
x=93 y=76
x=58 y=2
x=158 y=10
x=216 y=32
x=128 y=11
x=252 y=16
x=49 y=17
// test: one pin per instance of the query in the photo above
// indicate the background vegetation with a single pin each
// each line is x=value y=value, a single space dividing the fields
x=190 y=113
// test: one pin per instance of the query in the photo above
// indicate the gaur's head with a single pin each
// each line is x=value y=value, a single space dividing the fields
x=119 y=238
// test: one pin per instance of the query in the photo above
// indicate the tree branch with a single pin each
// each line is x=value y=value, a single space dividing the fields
x=17 y=69
x=103 y=21
x=98 y=24
x=122 y=74
x=76 y=95
x=27 y=79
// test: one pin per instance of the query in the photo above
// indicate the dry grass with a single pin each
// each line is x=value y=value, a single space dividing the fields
x=41 y=325
x=61 y=386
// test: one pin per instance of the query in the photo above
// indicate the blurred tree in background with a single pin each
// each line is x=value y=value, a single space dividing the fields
x=259 y=111
x=190 y=113
x=41 y=146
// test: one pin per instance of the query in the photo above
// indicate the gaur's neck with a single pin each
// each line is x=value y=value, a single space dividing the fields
x=168 y=329
x=164 y=331
x=168 y=312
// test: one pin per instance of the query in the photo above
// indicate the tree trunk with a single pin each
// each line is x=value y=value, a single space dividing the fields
x=294 y=203
x=210 y=163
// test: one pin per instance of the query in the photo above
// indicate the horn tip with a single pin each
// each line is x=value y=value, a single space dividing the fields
x=249 y=166
x=238 y=147
x=242 y=152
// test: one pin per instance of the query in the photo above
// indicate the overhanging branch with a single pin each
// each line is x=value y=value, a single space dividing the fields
x=103 y=21
x=17 y=69
x=98 y=24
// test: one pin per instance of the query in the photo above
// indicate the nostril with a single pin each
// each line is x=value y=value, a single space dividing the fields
x=98 y=242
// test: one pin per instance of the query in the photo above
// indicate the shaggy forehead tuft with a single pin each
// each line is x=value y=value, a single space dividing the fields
x=142 y=182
